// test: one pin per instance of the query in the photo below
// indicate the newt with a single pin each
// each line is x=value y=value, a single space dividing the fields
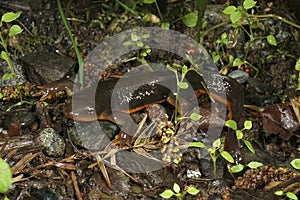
x=84 y=108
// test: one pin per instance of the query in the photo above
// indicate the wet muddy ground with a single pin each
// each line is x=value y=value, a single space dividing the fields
x=51 y=159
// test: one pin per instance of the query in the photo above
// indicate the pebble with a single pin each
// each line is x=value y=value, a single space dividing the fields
x=240 y=76
x=52 y=142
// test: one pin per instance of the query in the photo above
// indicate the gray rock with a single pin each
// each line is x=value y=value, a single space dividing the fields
x=240 y=76
x=44 y=67
x=52 y=142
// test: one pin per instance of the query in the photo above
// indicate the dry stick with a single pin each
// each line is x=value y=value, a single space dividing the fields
x=75 y=184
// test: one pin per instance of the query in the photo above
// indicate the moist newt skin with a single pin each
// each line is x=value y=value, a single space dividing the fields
x=130 y=98
x=50 y=89
x=152 y=90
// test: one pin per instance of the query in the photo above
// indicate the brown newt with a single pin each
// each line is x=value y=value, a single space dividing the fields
x=51 y=89
x=85 y=108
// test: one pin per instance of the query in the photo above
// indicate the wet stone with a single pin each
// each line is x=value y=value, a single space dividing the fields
x=52 y=142
x=36 y=67
x=94 y=135
x=240 y=76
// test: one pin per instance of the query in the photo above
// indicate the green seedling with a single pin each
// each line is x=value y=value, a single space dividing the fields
x=239 y=133
x=239 y=16
x=144 y=50
x=296 y=162
x=289 y=195
x=240 y=167
x=74 y=44
x=215 y=151
x=13 y=31
x=176 y=192
x=5 y=177
x=181 y=84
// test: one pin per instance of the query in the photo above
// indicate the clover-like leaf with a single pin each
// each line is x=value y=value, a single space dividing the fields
x=231 y=124
x=236 y=168
x=254 y=164
x=176 y=188
x=195 y=116
x=197 y=144
x=167 y=194
x=10 y=16
x=249 y=146
x=192 y=190
x=296 y=163
x=226 y=155
x=271 y=40
x=229 y=9
x=247 y=124
x=183 y=85
x=248 y=4
x=5 y=176
x=190 y=19
x=14 y=30
x=291 y=195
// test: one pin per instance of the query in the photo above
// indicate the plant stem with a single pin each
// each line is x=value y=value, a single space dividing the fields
x=78 y=55
x=10 y=65
x=127 y=8
x=201 y=7
x=277 y=17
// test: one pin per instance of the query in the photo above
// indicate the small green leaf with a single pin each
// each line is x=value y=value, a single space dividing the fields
x=231 y=124
x=224 y=36
x=235 y=16
x=271 y=40
x=145 y=36
x=228 y=10
x=192 y=190
x=167 y=194
x=190 y=20
x=239 y=134
x=291 y=195
x=236 y=168
x=216 y=56
x=217 y=143
x=139 y=43
x=237 y=62
x=296 y=163
x=195 y=116
x=278 y=192
x=176 y=188
x=231 y=59
x=128 y=43
x=227 y=156
x=247 y=124
x=10 y=16
x=148 y=1
x=248 y=4
x=7 y=76
x=249 y=146
x=14 y=30
x=165 y=25
x=254 y=164
x=183 y=85
x=197 y=144
x=134 y=37
x=1 y=95
x=4 y=55
x=184 y=69
x=5 y=176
